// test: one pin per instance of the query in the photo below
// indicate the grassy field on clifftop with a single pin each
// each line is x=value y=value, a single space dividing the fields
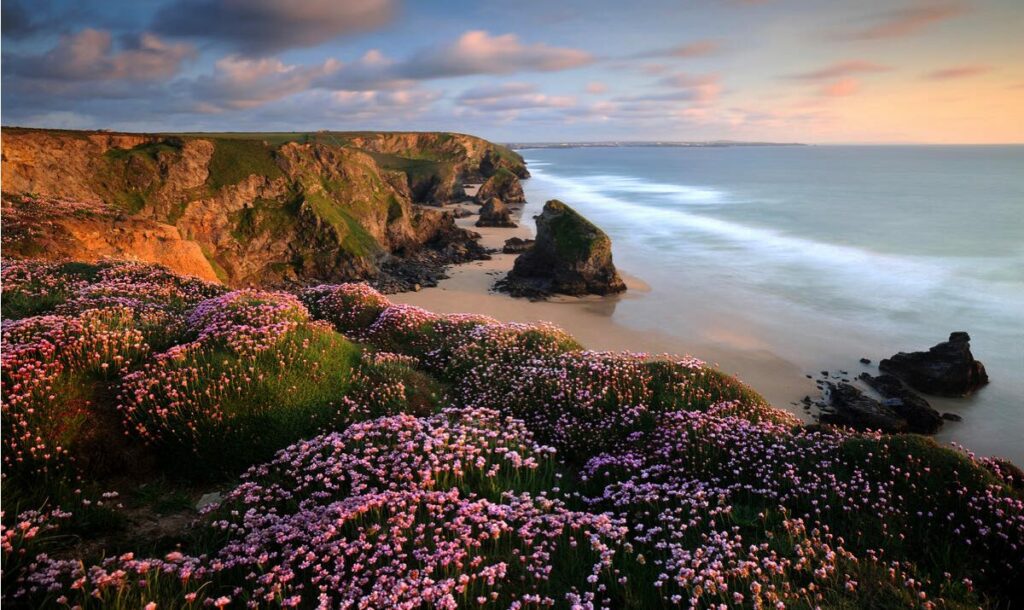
x=350 y=452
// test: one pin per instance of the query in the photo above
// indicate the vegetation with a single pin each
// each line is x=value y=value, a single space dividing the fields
x=369 y=454
x=235 y=160
x=574 y=235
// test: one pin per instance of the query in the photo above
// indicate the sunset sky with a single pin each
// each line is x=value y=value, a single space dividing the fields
x=934 y=71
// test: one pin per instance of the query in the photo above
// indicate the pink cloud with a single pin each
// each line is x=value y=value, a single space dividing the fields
x=90 y=55
x=596 y=87
x=477 y=52
x=953 y=72
x=841 y=69
x=699 y=48
x=840 y=88
x=905 y=22
x=511 y=97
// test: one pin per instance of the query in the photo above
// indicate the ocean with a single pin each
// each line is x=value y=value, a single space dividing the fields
x=820 y=254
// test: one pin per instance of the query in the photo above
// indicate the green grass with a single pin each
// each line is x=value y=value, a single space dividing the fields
x=275 y=398
x=234 y=160
x=355 y=239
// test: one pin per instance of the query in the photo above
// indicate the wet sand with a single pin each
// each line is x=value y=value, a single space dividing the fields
x=590 y=319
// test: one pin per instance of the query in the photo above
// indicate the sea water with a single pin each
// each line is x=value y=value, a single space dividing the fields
x=820 y=254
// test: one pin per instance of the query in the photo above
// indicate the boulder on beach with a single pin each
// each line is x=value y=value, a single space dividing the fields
x=947 y=369
x=920 y=415
x=504 y=185
x=570 y=256
x=516 y=245
x=850 y=407
x=495 y=214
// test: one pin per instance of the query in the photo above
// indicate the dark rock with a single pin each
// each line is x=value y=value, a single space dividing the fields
x=865 y=361
x=824 y=373
x=461 y=212
x=504 y=185
x=516 y=245
x=951 y=417
x=852 y=408
x=426 y=266
x=570 y=256
x=920 y=415
x=947 y=369
x=495 y=214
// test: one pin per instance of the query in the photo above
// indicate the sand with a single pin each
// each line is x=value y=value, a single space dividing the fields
x=469 y=289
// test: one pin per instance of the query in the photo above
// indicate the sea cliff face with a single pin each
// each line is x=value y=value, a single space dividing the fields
x=261 y=209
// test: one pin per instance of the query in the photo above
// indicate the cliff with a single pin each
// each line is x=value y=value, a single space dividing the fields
x=262 y=208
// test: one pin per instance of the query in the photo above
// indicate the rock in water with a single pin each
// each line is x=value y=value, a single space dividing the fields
x=516 y=245
x=504 y=185
x=495 y=214
x=570 y=256
x=948 y=369
x=854 y=409
x=920 y=415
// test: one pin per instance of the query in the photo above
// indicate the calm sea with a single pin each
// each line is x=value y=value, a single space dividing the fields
x=820 y=254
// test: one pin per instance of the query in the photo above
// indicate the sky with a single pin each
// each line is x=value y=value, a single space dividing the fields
x=815 y=71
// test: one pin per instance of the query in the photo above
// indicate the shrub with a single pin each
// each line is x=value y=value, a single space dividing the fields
x=219 y=407
x=351 y=308
x=54 y=367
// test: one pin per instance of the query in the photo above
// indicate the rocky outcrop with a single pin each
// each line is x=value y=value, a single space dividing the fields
x=54 y=229
x=919 y=415
x=947 y=369
x=570 y=256
x=437 y=164
x=317 y=207
x=494 y=213
x=850 y=407
x=516 y=245
x=496 y=159
x=504 y=185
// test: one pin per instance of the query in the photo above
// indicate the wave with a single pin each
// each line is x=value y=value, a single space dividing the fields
x=874 y=281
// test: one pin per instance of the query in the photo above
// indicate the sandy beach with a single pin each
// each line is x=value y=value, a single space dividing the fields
x=469 y=289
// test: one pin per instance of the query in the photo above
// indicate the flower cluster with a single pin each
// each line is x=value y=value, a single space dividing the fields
x=24 y=215
x=246 y=320
x=50 y=366
x=257 y=375
x=729 y=509
x=453 y=460
x=351 y=308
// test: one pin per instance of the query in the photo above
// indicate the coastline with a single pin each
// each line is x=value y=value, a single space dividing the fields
x=469 y=289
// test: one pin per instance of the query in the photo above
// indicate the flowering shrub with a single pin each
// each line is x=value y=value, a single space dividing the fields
x=351 y=308
x=724 y=509
x=246 y=320
x=52 y=367
x=673 y=485
x=229 y=404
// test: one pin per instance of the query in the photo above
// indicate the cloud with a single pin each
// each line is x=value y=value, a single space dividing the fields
x=90 y=55
x=907 y=21
x=260 y=27
x=16 y=21
x=701 y=88
x=596 y=87
x=477 y=52
x=841 y=69
x=700 y=48
x=511 y=97
x=953 y=72
x=239 y=83
x=840 y=88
